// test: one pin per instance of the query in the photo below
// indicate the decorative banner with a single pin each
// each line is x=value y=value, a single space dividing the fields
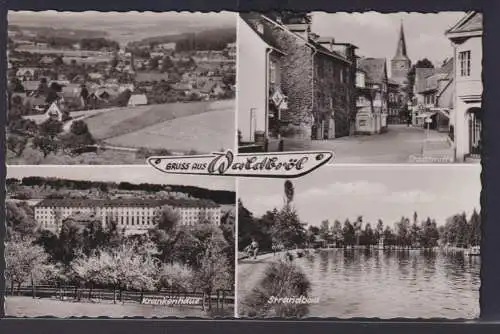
x=267 y=165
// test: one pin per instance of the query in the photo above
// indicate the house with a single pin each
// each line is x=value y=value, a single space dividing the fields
x=182 y=87
x=30 y=86
x=395 y=103
x=418 y=101
x=53 y=112
x=297 y=84
x=27 y=73
x=434 y=91
x=366 y=119
x=95 y=76
x=46 y=60
x=377 y=81
x=141 y=77
x=167 y=46
x=137 y=100
x=466 y=36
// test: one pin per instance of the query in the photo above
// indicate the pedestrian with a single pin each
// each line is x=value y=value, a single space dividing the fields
x=255 y=248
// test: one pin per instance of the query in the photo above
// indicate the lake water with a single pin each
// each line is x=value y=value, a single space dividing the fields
x=390 y=284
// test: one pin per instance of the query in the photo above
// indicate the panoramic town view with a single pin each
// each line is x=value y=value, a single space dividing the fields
x=115 y=88
x=372 y=87
x=361 y=242
x=99 y=242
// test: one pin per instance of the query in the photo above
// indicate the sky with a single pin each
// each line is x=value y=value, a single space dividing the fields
x=376 y=34
x=126 y=26
x=374 y=192
x=132 y=174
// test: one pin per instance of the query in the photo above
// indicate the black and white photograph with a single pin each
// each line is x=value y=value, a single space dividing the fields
x=371 y=87
x=361 y=242
x=118 y=241
x=116 y=87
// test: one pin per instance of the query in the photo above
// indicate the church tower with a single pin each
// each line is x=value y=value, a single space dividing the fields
x=400 y=63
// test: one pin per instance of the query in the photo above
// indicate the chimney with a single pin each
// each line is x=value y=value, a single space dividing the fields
x=326 y=42
x=301 y=29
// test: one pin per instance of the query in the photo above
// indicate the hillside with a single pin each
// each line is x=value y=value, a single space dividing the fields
x=213 y=39
x=56 y=184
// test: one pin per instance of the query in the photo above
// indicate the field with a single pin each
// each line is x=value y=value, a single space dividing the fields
x=29 y=307
x=199 y=126
x=203 y=127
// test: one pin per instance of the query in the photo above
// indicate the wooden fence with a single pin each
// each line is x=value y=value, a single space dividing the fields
x=219 y=298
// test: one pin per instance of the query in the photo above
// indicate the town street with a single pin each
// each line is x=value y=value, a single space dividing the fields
x=400 y=144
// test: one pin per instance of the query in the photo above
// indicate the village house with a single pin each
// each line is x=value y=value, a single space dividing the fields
x=28 y=73
x=298 y=85
x=377 y=81
x=434 y=93
x=394 y=102
x=167 y=46
x=466 y=36
x=366 y=121
x=138 y=100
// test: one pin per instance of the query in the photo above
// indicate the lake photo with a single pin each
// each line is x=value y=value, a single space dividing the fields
x=361 y=242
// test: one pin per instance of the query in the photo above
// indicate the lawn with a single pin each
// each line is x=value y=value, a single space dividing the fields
x=125 y=121
x=206 y=132
x=29 y=307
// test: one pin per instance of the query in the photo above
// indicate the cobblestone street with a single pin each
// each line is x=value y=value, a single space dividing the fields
x=400 y=144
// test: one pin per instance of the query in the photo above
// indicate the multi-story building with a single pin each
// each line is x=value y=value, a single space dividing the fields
x=377 y=81
x=135 y=215
x=466 y=36
x=292 y=82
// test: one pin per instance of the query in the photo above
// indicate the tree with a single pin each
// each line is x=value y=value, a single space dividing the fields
x=177 y=276
x=348 y=233
x=289 y=192
x=50 y=128
x=25 y=262
x=16 y=144
x=79 y=136
x=19 y=220
x=122 y=99
x=166 y=64
x=43 y=87
x=45 y=144
x=214 y=273
x=475 y=225
x=422 y=63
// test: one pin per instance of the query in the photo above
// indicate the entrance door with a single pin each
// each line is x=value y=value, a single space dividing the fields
x=475 y=126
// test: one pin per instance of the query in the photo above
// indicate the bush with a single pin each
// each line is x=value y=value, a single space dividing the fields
x=177 y=276
x=281 y=279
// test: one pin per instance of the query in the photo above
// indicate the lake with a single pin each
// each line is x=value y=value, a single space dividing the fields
x=390 y=284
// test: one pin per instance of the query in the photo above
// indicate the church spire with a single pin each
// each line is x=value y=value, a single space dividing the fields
x=401 y=49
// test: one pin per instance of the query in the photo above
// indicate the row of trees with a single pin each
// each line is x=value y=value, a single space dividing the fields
x=90 y=254
x=284 y=226
x=218 y=196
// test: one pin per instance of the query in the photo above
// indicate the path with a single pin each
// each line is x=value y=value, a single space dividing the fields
x=397 y=145
x=251 y=271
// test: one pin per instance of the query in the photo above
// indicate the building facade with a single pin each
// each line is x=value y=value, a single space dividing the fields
x=466 y=37
x=134 y=215
x=293 y=83
x=377 y=81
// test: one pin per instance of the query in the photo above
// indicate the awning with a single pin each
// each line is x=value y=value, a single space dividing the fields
x=426 y=114
x=442 y=111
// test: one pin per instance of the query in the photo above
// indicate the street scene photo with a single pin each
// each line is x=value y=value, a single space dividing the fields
x=361 y=242
x=118 y=87
x=118 y=241
x=371 y=87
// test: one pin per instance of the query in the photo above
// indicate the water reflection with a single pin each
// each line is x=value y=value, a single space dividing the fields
x=388 y=284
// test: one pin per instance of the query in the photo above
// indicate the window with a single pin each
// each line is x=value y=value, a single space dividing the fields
x=464 y=61
x=272 y=72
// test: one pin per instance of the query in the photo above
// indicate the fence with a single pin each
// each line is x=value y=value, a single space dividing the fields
x=219 y=298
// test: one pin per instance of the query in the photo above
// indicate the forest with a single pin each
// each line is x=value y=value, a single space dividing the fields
x=218 y=196
x=284 y=226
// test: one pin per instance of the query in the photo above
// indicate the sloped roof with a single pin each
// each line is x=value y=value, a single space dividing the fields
x=420 y=75
x=252 y=19
x=138 y=99
x=375 y=69
x=472 y=21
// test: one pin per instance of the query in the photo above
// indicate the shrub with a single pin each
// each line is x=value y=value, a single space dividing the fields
x=281 y=279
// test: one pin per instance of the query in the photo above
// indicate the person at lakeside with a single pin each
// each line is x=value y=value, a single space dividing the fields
x=254 y=248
